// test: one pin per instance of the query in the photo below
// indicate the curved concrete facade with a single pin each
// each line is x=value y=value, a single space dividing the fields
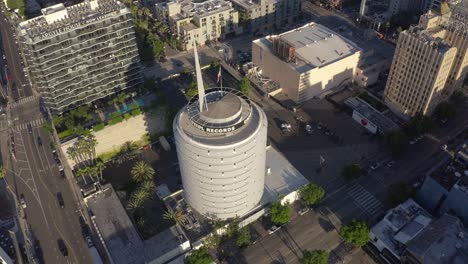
x=223 y=173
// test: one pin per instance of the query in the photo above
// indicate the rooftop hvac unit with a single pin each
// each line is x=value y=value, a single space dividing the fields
x=268 y=170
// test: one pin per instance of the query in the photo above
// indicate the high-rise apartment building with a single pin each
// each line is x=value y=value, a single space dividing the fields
x=431 y=60
x=198 y=21
x=262 y=16
x=81 y=53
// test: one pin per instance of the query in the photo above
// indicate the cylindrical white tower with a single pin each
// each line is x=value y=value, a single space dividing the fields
x=222 y=152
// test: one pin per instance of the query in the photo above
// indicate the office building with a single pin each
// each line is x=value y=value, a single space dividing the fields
x=307 y=62
x=430 y=61
x=221 y=146
x=81 y=53
x=198 y=21
x=266 y=16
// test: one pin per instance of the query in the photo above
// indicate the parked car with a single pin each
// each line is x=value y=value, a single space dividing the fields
x=62 y=173
x=273 y=229
x=22 y=201
x=60 y=200
x=304 y=210
x=375 y=166
x=62 y=247
x=89 y=241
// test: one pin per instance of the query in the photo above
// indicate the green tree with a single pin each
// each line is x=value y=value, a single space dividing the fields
x=148 y=185
x=100 y=167
x=400 y=192
x=311 y=193
x=2 y=172
x=351 y=172
x=138 y=199
x=396 y=141
x=243 y=237
x=173 y=216
x=356 y=232
x=142 y=172
x=280 y=213
x=444 y=110
x=314 y=257
x=199 y=256
x=418 y=125
x=192 y=89
x=245 y=85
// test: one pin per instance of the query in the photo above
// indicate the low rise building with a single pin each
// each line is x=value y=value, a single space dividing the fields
x=445 y=189
x=399 y=226
x=369 y=117
x=266 y=16
x=444 y=241
x=198 y=22
x=307 y=62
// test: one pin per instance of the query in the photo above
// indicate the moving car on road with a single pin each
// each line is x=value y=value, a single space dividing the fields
x=62 y=247
x=60 y=200
x=39 y=141
x=29 y=129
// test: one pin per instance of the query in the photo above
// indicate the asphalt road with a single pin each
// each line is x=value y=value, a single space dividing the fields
x=19 y=85
x=33 y=172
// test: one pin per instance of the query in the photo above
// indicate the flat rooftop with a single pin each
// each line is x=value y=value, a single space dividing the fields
x=451 y=173
x=251 y=4
x=119 y=235
x=283 y=179
x=314 y=46
x=444 y=241
x=400 y=225
x=58 y=18
x=165 y=242
x=190 y=8
x=384 y=123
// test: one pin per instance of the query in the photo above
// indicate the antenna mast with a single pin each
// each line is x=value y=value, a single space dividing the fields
x=201 y=88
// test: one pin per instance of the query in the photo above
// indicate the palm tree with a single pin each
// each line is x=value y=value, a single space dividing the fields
x=149 y=186
x=90 y=146
x=128 y=147
x=81 y=173
x=100 y=166
x=73 y=154
x=175 y=216
x=142 y=172
x=137 y=199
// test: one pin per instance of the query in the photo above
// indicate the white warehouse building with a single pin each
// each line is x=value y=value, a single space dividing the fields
x=221 y=139
x=307 y=62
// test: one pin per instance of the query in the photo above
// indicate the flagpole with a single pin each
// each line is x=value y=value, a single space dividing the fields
x=221 y=79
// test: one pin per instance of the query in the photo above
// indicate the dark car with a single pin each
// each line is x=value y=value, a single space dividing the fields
x=39 y=141
x=62 y=173
x=29 y=129
x=60 y=200
x=62 y=247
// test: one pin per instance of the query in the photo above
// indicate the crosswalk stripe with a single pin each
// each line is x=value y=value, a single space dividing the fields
x=365 y=199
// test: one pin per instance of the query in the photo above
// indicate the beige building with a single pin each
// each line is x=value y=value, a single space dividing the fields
x=307 y=62
x=430 y=61
x=199 y=22
x=261 y=16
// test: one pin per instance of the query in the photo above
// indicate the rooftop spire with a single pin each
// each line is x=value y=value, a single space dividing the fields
x=201 y=88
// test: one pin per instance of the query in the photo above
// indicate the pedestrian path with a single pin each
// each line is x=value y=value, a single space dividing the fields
x=365 y=200
x=34 y=123
x=25 y=100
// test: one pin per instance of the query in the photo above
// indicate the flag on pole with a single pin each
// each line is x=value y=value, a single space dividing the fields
x=219 y=75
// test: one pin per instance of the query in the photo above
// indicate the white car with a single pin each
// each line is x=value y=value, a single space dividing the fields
x=444 y=147
x=286 y=126
x=309 y=129
x=273 y=229
x=304 y=210
x=375 y=166
x=23 y=201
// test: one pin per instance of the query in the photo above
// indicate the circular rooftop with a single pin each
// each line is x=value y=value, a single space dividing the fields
x=224 y=107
